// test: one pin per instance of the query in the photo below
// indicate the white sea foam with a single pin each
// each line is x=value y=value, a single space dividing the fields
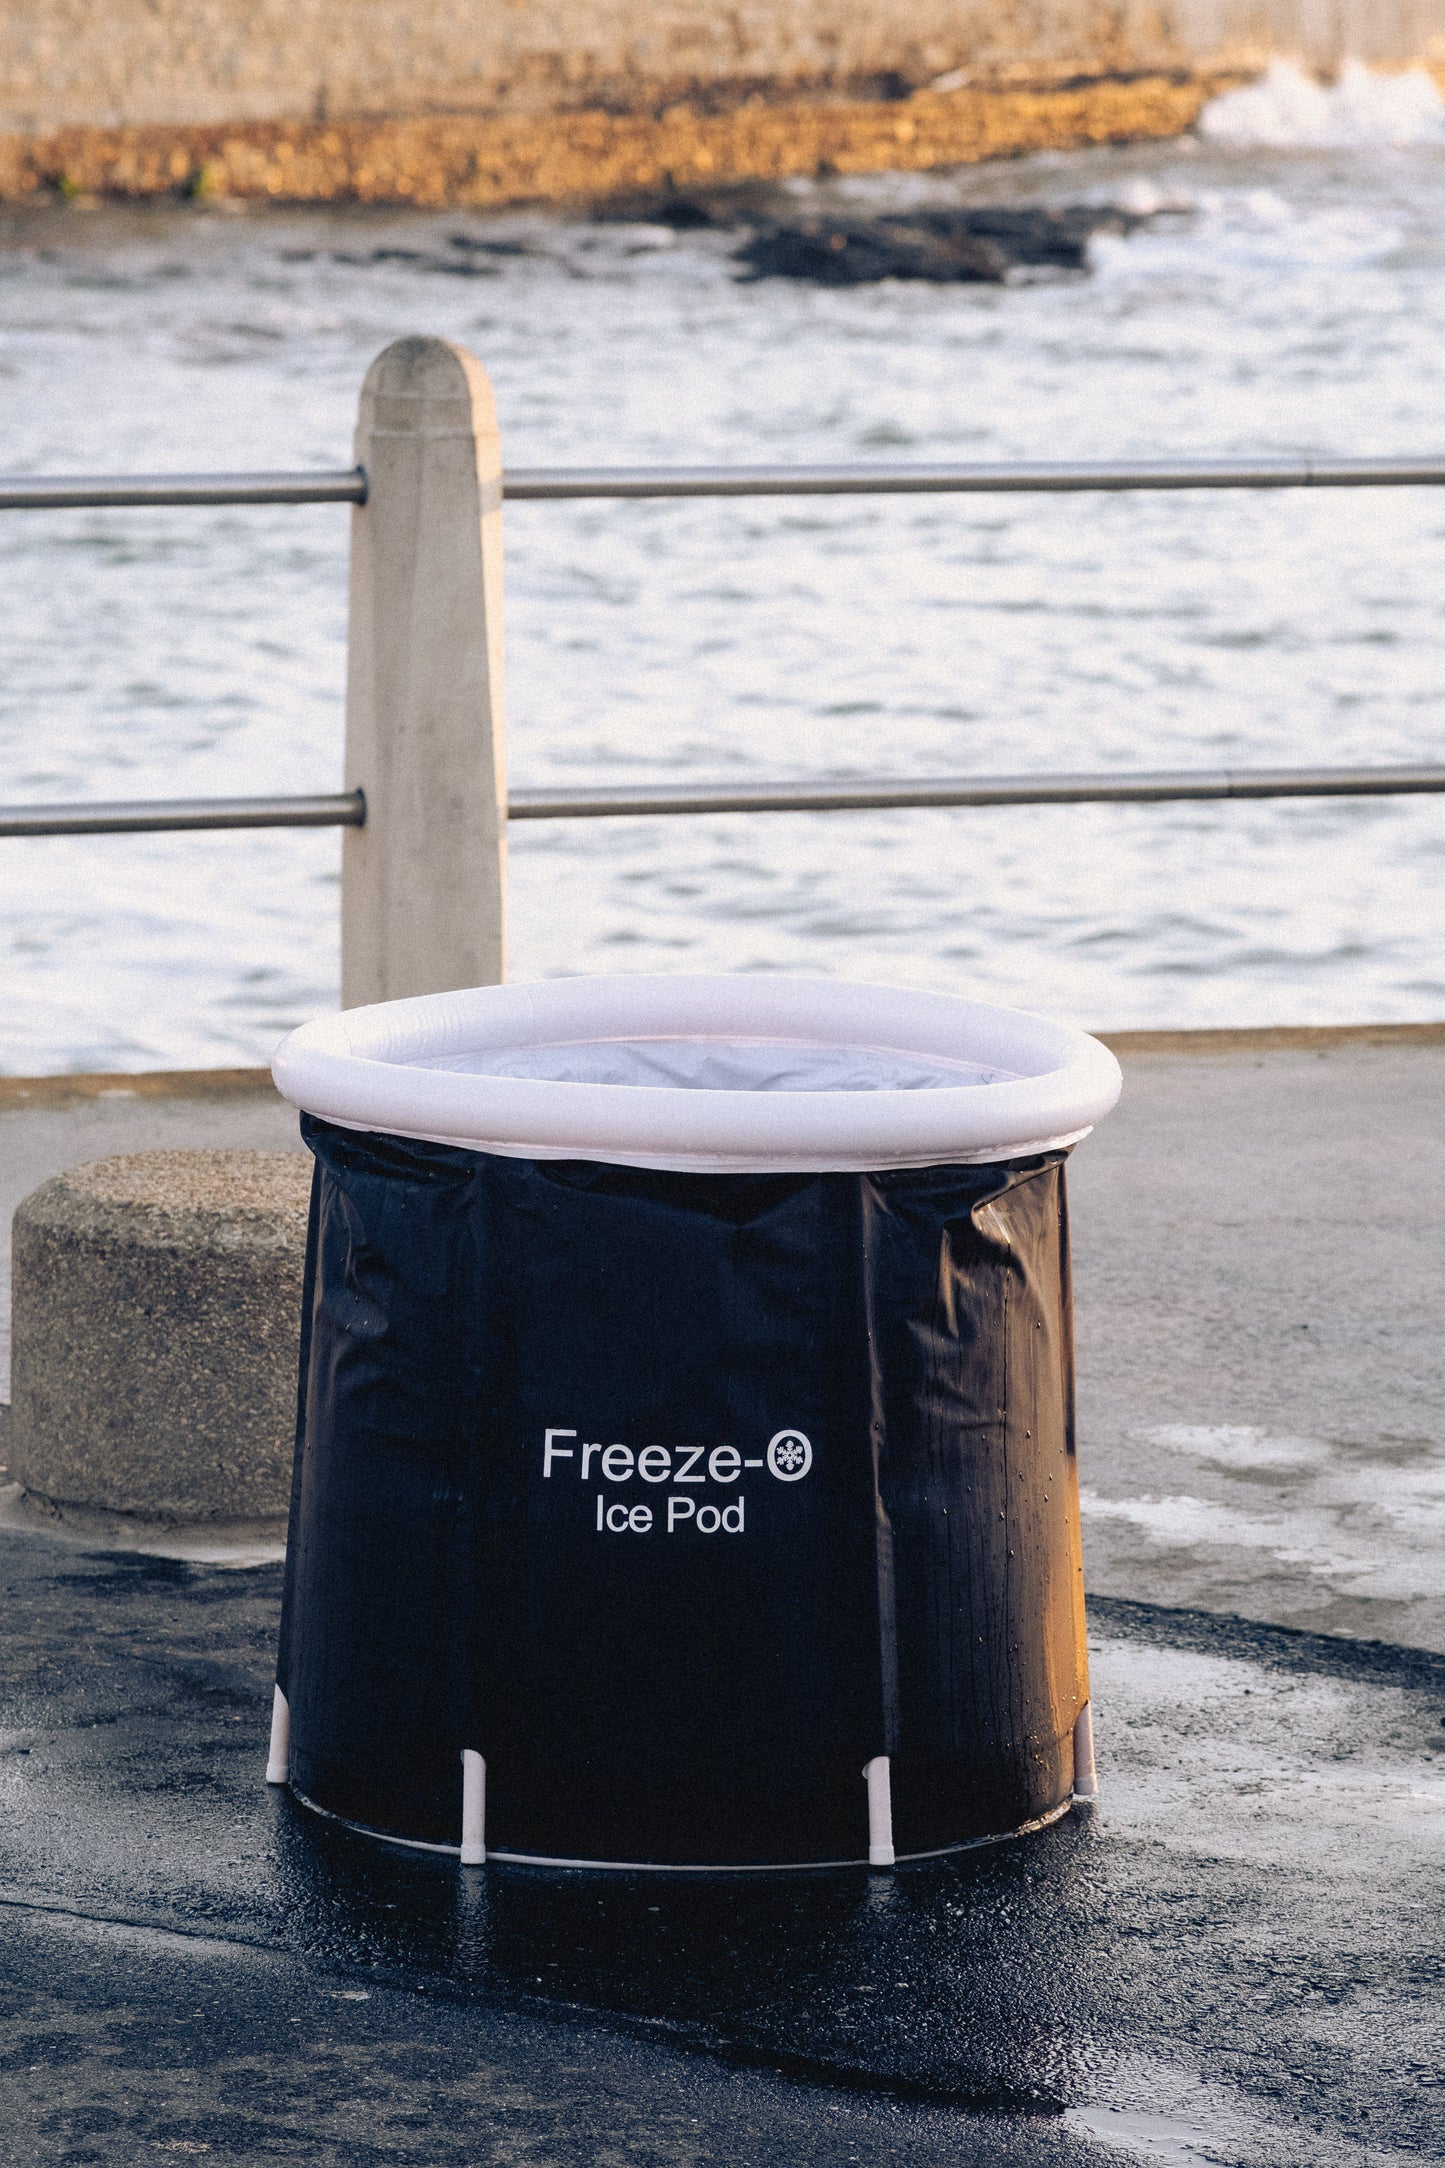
x=1288 y=110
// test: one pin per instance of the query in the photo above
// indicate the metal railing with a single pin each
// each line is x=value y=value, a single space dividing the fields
x=347 y=809
x=878 y=794
x=348 y=485
x=541 y=485
x=112 y=492
x=141 y=816
x=425 y=746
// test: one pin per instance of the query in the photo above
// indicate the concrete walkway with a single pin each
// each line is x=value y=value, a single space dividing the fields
x=1259 y=1237
x=1234 y=1959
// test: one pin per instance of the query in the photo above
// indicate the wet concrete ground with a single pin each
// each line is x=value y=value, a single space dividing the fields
x=1260 y=1241
x=1235 y=1958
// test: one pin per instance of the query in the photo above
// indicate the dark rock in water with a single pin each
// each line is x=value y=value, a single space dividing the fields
x=855 y=252
x=944 y=247
x=987 y=243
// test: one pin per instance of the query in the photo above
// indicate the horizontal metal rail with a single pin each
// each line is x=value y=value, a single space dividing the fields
x=539 y=484
x=347 y=809
x=344 y=809
x=876 y=794
x=50 y=493
x=558 y=484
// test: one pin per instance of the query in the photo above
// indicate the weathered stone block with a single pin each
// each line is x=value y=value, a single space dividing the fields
x=156 y=1322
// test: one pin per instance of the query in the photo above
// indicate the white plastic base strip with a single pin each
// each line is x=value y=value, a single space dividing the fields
x=278 y=1760
x=880 y=1812
x=474 y=1809
x=652 y=1866
x=1086 y=1782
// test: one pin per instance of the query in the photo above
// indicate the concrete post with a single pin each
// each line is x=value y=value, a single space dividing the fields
x=422 y=884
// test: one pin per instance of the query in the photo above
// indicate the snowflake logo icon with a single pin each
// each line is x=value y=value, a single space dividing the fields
x=790 y=1456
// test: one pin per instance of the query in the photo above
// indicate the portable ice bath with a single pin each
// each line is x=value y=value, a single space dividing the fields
x=685 y=1464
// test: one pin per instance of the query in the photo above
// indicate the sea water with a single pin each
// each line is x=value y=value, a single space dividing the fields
x=1289 y=301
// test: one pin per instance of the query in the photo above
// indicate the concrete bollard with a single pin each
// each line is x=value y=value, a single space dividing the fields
x=156 y=1329
x=422 y=882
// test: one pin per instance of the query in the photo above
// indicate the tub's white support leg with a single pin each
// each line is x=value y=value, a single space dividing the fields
x=1086 y=1783
x=880 y=1812
x=474 y=1809
x=278 y=1760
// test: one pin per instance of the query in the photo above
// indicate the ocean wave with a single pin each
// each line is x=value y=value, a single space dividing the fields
x=1288 y=110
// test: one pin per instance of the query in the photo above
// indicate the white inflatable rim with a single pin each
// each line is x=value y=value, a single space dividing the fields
x=369 y=1069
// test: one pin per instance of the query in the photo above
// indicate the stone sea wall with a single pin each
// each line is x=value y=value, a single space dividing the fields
x=493 y=101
